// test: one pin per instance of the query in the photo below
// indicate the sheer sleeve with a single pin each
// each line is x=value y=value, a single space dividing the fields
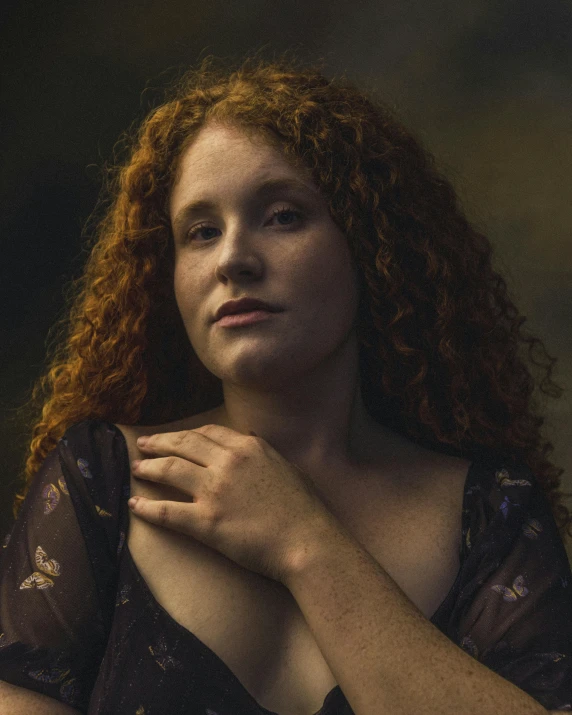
x=515 y=609
x=58 y=570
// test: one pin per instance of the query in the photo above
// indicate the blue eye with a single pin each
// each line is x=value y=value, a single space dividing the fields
x=204 y=227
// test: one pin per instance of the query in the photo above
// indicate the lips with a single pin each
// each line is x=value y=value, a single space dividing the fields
x=244 y=305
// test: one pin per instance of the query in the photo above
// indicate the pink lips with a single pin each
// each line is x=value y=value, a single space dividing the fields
x=239 y=319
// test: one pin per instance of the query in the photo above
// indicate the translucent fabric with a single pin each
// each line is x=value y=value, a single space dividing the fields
x=79 y=624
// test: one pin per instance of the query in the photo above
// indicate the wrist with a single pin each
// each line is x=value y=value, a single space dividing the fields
x=313 y=546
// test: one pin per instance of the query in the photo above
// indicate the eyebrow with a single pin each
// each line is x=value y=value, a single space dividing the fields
x=265 y=189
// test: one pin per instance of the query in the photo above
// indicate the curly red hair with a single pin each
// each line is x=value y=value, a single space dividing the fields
x=439 y=336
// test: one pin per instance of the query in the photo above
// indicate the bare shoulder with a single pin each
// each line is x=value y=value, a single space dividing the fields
x=444 y=478
x=425 y=475
x=426 y=496
x=450 y=472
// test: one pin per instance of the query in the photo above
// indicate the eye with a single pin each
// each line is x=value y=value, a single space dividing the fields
x=197 y=229
x=193 y=232
x=286 y=210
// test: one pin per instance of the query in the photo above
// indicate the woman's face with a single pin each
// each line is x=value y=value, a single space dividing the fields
x=298 y=260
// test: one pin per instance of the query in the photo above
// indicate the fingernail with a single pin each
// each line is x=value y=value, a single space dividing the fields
x=132 y=502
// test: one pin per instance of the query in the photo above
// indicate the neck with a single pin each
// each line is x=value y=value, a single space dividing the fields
x=318 y=422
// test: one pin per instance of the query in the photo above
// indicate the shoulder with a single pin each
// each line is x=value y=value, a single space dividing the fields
x=445 y=481
x=439 y=479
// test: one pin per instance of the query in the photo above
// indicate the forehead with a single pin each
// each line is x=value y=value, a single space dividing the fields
x=222 y=145
x=226 y=157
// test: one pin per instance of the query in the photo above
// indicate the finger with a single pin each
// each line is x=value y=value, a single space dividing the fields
x=224 y=436
x=174 y=515
x=187 y=444
x=224 y=432
x=199 y=445
x=171 y=470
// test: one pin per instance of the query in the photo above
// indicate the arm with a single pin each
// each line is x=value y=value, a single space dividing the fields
x=386 y=656
x=54 y=606
x=19 y=701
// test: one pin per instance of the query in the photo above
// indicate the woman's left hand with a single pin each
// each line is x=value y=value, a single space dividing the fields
x=249 y=503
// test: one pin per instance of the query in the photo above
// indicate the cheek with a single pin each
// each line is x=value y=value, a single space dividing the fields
x=179 y=286
x=186 y=288
x=333 y=287
x=187 y=283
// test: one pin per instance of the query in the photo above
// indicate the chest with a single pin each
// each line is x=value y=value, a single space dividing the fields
x=253 y=623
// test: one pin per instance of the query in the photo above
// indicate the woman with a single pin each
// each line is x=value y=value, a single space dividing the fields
x=344 y=484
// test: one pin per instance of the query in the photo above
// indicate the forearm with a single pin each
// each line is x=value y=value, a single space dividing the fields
x=386 y=656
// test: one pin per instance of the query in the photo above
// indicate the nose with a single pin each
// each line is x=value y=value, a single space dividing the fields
x=239 y=256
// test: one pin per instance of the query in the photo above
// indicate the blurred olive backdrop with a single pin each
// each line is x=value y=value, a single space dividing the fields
x=486 y=85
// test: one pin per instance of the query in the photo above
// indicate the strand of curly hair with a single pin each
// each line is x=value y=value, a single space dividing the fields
x=439 y=336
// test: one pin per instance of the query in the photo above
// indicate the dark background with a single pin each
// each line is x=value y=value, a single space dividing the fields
x=486 y=85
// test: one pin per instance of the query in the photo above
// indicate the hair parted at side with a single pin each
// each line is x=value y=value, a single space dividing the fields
x=439 y=336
